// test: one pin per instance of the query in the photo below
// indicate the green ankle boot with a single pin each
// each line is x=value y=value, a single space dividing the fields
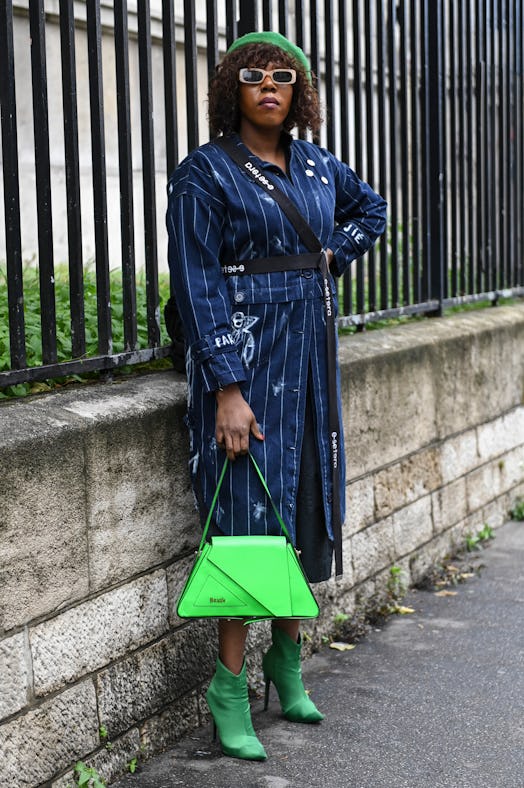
x=229 y=704
x=281 y=665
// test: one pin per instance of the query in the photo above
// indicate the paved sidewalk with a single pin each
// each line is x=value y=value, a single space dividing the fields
x=434 y=699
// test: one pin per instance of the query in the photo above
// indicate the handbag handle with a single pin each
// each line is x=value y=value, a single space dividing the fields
x=215 y=497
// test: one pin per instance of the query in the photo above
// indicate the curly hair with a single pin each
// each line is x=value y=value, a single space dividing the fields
x=224 y=114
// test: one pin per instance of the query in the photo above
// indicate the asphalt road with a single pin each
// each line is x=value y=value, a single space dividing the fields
x=434 y=699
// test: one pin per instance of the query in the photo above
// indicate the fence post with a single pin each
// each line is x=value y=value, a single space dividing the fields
x=247 y=22
x=11 y=188
x=434 y=263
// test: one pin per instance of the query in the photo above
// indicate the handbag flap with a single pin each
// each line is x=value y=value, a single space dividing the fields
x=210 y=592
x=259 y=565
x=303 y=602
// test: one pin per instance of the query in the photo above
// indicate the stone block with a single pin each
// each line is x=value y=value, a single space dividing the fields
x=459 y=455
x=506 y=503
x=441 y=546
x=469 y=526
x=347 y=580
x=495 y=514
x=139 y=687
x=140 y=505
x=43 y=561
x=501 y=435
x=406 y=481
x=46 y=740
x=13 y=675
x=191 y=655
x=360 y=505
x=382 y=402
x=449 y=505
x=412 y=526
x=386 y=585
x=516 y=494
x=482 y=485
x=365 y=591
x=89 y=636
x=134 y=689
x=372 y=550
x=166 y=728
x=487 y=346
x=110 y=762
x=511 y=467
x=177 y=575
x=258 y=637
x=333 y=597
x=336 y=587
x=204 y=713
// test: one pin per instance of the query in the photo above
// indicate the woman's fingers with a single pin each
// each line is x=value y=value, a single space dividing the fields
x=236 y=442
x=255 y=430
x=235 y=422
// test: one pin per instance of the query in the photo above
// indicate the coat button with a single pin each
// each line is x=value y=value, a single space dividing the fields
x=239 y=297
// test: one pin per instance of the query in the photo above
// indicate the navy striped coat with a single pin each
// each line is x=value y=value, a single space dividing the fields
x=266 y=332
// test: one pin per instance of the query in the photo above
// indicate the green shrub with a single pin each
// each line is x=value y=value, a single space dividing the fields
x=33 y=334
x=517 y=512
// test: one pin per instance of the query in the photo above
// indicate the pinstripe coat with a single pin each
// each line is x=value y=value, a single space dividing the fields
x=267 y=332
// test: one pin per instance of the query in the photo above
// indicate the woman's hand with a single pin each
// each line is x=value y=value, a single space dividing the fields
x=329 y=257
x=235 y=422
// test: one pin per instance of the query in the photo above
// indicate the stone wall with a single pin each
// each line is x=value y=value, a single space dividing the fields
x=97 y=530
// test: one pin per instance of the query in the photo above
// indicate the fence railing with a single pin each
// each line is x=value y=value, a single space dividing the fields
x=424 y=99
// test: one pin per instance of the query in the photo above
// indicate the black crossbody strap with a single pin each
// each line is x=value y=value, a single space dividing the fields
x=295 y=217
x=311 y=241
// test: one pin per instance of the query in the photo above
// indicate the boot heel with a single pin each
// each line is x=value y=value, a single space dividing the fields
x=281 y=665
x=266 y=694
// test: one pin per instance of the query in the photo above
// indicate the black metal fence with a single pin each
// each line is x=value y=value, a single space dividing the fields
x=423 y=98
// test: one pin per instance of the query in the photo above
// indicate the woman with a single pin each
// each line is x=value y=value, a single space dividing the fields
x=256 y=360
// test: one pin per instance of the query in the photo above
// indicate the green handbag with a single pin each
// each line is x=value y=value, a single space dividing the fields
x=248 y=577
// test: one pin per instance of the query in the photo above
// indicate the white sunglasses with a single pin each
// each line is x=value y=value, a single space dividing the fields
x=280 y=76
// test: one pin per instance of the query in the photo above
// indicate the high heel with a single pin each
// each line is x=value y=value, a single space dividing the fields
x=228 y=702
x=281 y=665
x=266 y=694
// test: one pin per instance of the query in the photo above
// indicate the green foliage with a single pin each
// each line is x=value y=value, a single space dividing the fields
x=33 y=332
x=133 y=763
x=102 y=732
x=341 y=626
x=475 y=305
x=517 y=512
x=396 y=586
x=474 y=541
x=63 y=329
x=88 y=777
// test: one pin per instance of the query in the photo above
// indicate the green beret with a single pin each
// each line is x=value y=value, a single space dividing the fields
x=276 y=40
